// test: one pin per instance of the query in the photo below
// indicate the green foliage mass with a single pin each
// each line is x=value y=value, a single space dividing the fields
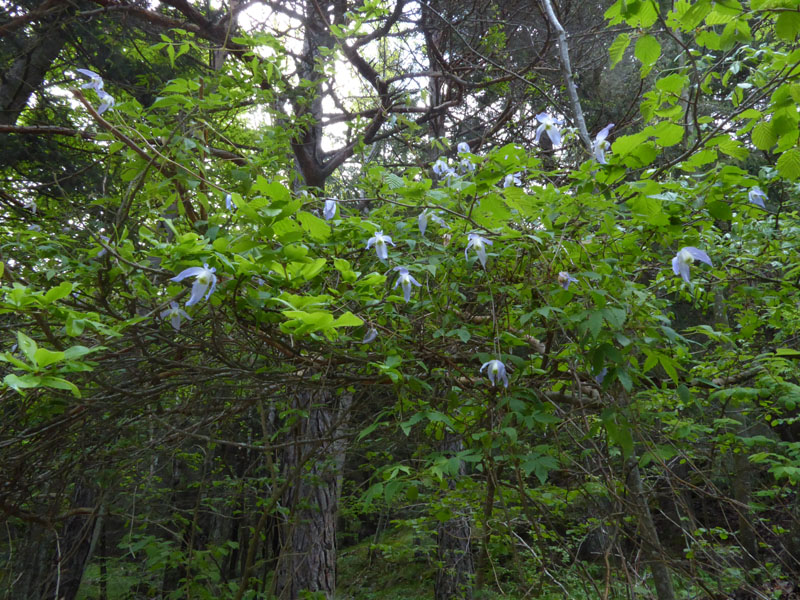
x=182 y=432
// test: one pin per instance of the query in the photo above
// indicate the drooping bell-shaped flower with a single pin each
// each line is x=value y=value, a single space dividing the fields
x=228 y=202
x=479 y=243
x=205 y=281
x=512 y=179
x=106 y=101
x=550 y=126
x=422 y=220
x=330 y=209
x=380 y=240
x=441 y=169
x=496 y=372
x=405 y=280
x=463 y=148
x=95 y=81
x=757 y=197
x=564 y=279
x=601 y=145
x=370 y=336
x=685 y=257
x=174 y=314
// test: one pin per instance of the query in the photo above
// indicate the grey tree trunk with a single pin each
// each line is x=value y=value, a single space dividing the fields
x=454 y=576
x=651 y=545
x=307 y=560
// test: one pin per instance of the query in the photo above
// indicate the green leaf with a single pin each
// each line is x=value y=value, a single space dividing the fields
x=787 y=352
x=789 y=164
x=720 y=210
x=647 y=50
x=348 y=319
x=762 y=136
x=312 y=269
x=672 y=84
x=24 y=382
x=316 y=228
x=44 y=357
x=594 y=323
x=60 y=291
x=617 y=49
x=28 y=347
x=787 y=25
x=667 y=134
x=61 y=384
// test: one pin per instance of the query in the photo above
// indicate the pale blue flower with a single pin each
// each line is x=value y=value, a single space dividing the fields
x=205 y=281
x=228 y=201
x=564 y=279
x=496 y=372
x=380 y=240
x=442 y=169
x=106 y=101
x=422 y=220
x=405 y=281
x=757 y=197
x=512 y=179
x=601 y=376
x=479 y=243
x=330 y=209
x=174 y=315
x=685 y=257
x=600 y=144
x=463 y=148
x=370 y=336
x=30 y=204
x=95 y=81
x=550 y=126
x=103 y=250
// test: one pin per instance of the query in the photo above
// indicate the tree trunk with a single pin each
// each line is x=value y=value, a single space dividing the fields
x=74 y=548
x=27 y=71
x=307 y=560
x=455 y=569
x=651 y=545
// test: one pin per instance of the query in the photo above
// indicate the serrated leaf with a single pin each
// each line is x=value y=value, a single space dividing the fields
x=789 y=164
x=618 y=47
x=787 y=25
x=316 y=228
x=668 y=134
x=393 y=181
x=348 y=319
x=647 y=50
x=762 y=136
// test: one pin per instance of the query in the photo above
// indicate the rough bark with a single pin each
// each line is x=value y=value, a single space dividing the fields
x=33 y=60
x=651 y=544
x=73 y=549
x=456 y=569
x=307 y=560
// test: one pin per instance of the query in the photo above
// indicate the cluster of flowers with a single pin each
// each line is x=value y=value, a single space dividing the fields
x=96 y=83
x=205 y=279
